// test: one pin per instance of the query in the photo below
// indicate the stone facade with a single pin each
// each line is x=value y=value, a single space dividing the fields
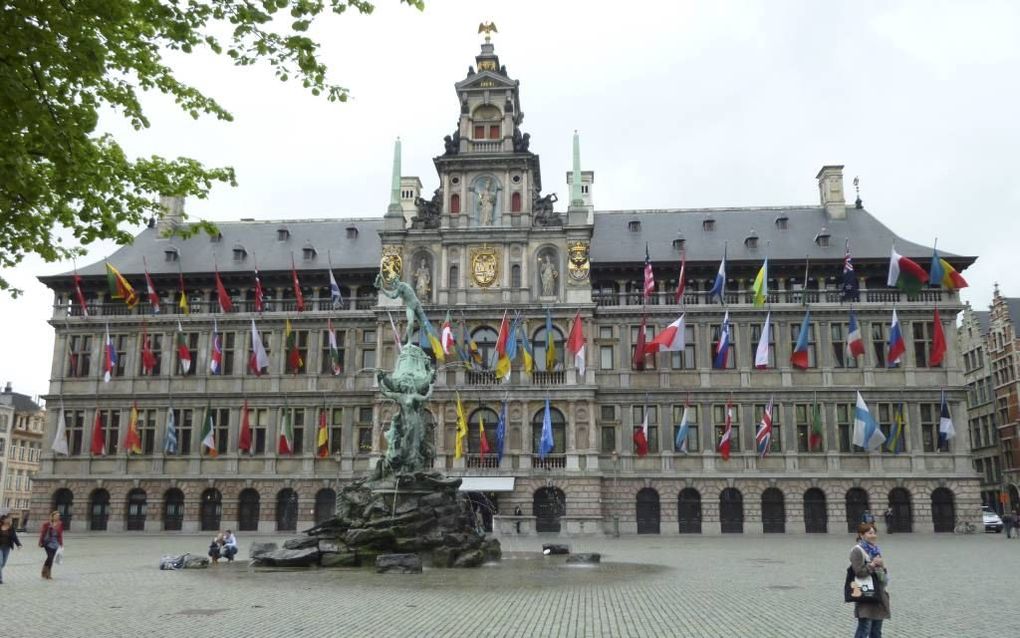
x=24 y=421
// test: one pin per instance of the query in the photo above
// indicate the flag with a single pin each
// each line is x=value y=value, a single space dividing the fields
x=761 y=284
x=638 y=358
x=527 y=354
x=286 y=442
x=641 y=436
x=799 y=357
x=260 y=296
x=462 y=430
x=511 y=339
x=483 y=442
x=60 y=439
x=501 y=433
x=722 y=349
x=850 y=288
x=183 y=354
x=132 y=441
x=153 y=296
x=897 y=438
x=170 y=438
x=896 y=344
x=854 y=342
x=476 y=354
x=761 y=353
x=763 y=437
x=182 y=303
x=335 y=298
x=905 y=274
x=109 y=357
x=681 y=283
x=682 y=432
x=545 y=443
x=294 y=360
x=946 y=429
x=575 y=344
x=226 y=305
x=502 y=360
x=259 y=359
x=322 y=437
x=649 y=276
x=719 y=286
x=119 y=287
x=244 y=438
x=216 y=354
x=463 y=349
x=726 y=442
x=867 y=434
x=334 y=351
x=148 y=357
x=550 y=345
x=673 y=338
x=433 y=338
x=80 y=295
x=446 y=340
x=299 y=298
x=209 y=435
x=396 y=333
x=938 y=341
x=815 y=435
x=98 y=436
x=943 y=274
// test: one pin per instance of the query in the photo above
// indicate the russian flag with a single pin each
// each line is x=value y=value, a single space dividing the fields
x=854 y=343
x=896 y=344
x=867 y=434
x=109 y=357
x=799 y=358
x=720 y=282
x=722 y=350
x=905 y=274
x=671 y=339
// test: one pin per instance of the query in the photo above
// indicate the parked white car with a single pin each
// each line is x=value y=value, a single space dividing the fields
x=992 y=521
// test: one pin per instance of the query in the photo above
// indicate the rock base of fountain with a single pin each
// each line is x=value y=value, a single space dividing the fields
x=420 y=513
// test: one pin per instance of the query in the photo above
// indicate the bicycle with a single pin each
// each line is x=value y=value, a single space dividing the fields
x=964 y=527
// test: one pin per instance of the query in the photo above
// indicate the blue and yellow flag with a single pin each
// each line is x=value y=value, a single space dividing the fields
x=897 y=443
x=527 y=354
x=550 y=345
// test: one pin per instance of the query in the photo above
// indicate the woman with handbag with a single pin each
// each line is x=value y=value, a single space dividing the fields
x=869 y=570
x=51 y=538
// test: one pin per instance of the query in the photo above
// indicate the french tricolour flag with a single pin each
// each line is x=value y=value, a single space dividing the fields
x=867 y=434
x=854 y=342
x=896 y=344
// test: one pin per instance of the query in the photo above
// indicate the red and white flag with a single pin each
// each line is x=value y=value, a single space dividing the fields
x=673 y=338
x=226 y=305
x=725 y=442
x=80 y=295
x=153 y=296
x=148 y=357
x=575 y=343
x=649 y=276
x=641 y=436
x=259 y=359
x=259 y=294
x=298 y=296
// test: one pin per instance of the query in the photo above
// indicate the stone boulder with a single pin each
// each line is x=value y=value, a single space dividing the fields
x=256 y=549
x=301 y=542
x=554 y=549
x=472 y=558
x=492 y=549
x=398 y=563
x=191 y=561
x=365 y=536
x=289 y=558
x=339 y=559
x=592 y=558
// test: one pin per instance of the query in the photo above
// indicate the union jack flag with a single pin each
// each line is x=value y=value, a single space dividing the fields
x=764 y=435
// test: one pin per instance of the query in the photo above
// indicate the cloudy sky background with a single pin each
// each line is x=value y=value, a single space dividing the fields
x=679 y=104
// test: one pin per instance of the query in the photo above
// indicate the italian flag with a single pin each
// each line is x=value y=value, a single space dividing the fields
x=209 y=435
x=286 y=445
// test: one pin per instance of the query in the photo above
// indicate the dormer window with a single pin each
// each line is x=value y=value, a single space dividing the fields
x=822 y=238
x=309 y=252
x=708 y=225
x=352 y=232
x=634 y=226
x=679 y=243
x=282 y=234
x=751 y=241
x=782 y=222
x=240 y=254
x=171 y=254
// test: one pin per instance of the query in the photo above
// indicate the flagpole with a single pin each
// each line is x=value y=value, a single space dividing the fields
x=807 y=265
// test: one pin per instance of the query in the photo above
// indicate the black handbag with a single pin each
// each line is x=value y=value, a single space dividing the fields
x=864 y=594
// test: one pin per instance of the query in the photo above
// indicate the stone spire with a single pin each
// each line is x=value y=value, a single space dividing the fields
x=394 y=208
x=575 y=181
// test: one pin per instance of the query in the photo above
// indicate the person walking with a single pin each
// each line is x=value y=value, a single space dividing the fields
x=866 y=560
x=8 y=539
x=1008 y=521
x=51 y=538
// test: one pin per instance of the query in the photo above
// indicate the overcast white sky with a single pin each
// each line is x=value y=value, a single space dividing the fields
x=679 y=104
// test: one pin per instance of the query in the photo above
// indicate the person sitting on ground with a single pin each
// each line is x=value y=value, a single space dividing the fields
x=216 y=548
x=229 y=546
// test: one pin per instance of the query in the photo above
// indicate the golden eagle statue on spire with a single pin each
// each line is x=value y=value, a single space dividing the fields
x=487 y=28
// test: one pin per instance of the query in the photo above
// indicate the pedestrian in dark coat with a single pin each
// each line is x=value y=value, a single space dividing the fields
x=8 y=540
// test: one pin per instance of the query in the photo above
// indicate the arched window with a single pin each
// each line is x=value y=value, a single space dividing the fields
x=136 y=510
x=856 y=506
x=99 y=510
x=689 y=511
x=731 y=511
x=538 y=341
x=454 y=204
x=647 y=507
x=943 y=509
x=63 y=501
x=491 y=419
x=173 y=509
x=211 y=510
x=485 y=339
x=773 y=511
x=515 y=276
x=547 y=506
x=248 y=506
x=899 y=518
x=816 y=518
x=454 y=277
x=325 y=505
x=286 y=510
x=559 y=430
x=515 y=203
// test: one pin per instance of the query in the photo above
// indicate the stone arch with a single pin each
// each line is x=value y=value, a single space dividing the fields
x=286 y=510
x=899 y=518
x=816 y=516
x=484 y=337
x=325 y=505
x=648 y=511
x=137 y=507
x=417 y=258
x=731 y=511
x=249 y=506
x=173 y=510
x=492 y=187
x=99 y=510
x=773 y=511
x=549 y=504
x=63 y=504
x=943 y=509
x=538 y=347
x=689 y=511
x=490 y=418
x=210 y=510
x=559 y=430
x=856 y=507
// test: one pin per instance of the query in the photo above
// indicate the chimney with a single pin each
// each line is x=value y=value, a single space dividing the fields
x=8 y=389
x=830 y=191
x=173 y=213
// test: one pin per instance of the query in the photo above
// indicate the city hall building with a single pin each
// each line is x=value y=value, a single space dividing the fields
x=488 y=241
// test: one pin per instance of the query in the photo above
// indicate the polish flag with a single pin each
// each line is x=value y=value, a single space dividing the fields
x=671 y=339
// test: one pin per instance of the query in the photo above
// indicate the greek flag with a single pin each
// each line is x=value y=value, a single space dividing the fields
x=170 y=442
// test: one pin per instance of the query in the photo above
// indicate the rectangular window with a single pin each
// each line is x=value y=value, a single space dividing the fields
x=776 y=440
x=922 y=331
x=756 y=329
x=878 y=344
x=265 y=336
x=693 y=440
x=156 y=346
x=111 y=428
x=227 y=344
x=327 y=361
x=840 y=357
x=605 y=357
x=183 y=423
x=844 y=427
x=221 y=428
x=74 y=426
x=732 y=358
x=649 y=361
x=191 y=340
x=364 y=430
x=803 y=415
x=795 y=333
x=719 y=423
x=479 y=131
x=258 y=421
x=606 y=332
x=886 y=420
x=638 y=411
x=930 y=416
x=368 y=339
x=608 y=440
x=685 y=360
x=494 y=132
x=297 y=421
x=120 y=345
x=336 y=430
x=147 y=430
x=608 y=412
x=301 y=342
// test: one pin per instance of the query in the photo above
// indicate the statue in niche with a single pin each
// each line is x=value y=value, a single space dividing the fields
x=486 y=198
x=428 y=211
x=542 y=208
x=423 y=280
x=548 y=275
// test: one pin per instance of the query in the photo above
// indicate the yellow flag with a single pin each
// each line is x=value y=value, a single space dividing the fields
x=462 y=430
x=761 y=284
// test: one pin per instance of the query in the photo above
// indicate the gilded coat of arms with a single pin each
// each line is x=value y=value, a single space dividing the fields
x=392 y=264
x=578 y=265
x=484 y=266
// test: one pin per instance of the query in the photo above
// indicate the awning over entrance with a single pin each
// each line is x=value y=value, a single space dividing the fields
x=487 y=484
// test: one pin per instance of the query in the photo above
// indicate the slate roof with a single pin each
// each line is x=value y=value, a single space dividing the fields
x=21 y=402
x=1013 y=305
x=870 y=239
x=983 y=318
